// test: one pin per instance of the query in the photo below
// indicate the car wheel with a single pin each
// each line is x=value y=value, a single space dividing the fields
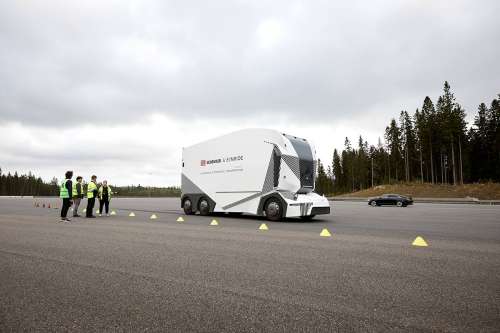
x=399 y=204
x=204 y=207
x=273 y=209
x=187 y=205
x=373 y=203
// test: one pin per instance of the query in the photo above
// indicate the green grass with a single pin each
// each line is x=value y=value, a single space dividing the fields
x=484 y=191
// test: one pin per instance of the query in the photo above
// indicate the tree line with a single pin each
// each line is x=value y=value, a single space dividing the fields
x=26 y=185
x=434 y=145
x=30 y=185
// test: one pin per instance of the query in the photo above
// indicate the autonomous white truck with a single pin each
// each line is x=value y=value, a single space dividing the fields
x=254 y=171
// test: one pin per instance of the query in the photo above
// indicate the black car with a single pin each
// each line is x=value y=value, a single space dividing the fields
x=391 y=199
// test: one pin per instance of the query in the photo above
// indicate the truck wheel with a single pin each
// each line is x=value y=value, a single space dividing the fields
x=273 y=209
x=204 y=207
x=187 y=205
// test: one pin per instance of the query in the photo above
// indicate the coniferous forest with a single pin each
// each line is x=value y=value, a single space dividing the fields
x=29 y=185
x=433 y=145
x=21 y=185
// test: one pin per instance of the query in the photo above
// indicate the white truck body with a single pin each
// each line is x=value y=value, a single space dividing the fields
x=240 y=171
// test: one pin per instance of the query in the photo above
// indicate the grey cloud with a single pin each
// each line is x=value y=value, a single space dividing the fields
x=68 y=62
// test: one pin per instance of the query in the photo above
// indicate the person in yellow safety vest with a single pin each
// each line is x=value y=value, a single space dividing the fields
x=105 y=194
x=65 y=190
x=77 y=195
x=91 y=195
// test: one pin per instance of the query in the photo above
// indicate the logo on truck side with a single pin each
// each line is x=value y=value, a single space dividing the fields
x=222 y=160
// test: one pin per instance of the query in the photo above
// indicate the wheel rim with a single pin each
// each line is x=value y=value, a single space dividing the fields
x=373 y=203
x=273 y=209
x=400 y=204
x=187 y=204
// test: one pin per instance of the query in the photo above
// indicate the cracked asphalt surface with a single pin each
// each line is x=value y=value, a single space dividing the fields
x=133 y=274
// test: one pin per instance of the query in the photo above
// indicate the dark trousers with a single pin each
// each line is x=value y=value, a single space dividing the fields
x=90 y=207
x=104 y=202
x=65 y=206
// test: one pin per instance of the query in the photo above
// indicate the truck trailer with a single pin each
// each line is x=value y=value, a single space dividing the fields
x=253 y=171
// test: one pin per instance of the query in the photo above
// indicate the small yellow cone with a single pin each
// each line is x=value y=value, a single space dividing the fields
x=85 y=210
x=180 y=219
x=419 y=241
x=214 y=222
x=97 y=212
x=325 y=233
x=131 y=214
x=113 y=212
x=263 y=226
x=153 y=217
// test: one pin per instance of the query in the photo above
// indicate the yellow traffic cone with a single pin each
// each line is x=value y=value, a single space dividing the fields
x=419 y=241
x=131 y=214
x=113 y=212
x=214 y=222
x=153 y=217
x=180 y=219
x=325 y=233
x=263 y=226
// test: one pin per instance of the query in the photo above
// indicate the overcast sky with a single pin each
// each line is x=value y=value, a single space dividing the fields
x=116 y=88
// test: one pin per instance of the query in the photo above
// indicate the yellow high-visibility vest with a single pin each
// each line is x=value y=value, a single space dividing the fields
x=63 y=191
x=110 y=192
x=90 y=190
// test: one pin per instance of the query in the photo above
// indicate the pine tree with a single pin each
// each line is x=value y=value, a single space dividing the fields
x=393 y=141
x=337 y=173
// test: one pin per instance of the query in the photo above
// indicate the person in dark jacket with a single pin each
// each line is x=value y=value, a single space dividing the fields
x=65 y=191
x=91 y=195
x=105 y=194
x=77 y=195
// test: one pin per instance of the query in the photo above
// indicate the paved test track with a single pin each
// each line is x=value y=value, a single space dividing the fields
x=131 y=274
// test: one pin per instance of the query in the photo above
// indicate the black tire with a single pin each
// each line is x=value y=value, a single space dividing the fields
x=187 y=205
x=373 y=203
x=204 y=207
x=399 y=204
x=273 y=209
x=307 y=217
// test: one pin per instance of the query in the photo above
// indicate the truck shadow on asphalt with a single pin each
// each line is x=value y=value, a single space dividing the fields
x=244 y=217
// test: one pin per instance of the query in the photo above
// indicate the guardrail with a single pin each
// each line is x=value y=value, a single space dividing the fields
x=468 y=200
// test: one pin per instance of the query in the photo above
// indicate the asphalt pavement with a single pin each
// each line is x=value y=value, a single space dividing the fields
x=132 y=274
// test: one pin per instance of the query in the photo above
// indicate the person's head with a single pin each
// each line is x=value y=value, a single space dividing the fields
x=93 y=178
x=79 y=179
x=104 y=183
x=69 y=174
